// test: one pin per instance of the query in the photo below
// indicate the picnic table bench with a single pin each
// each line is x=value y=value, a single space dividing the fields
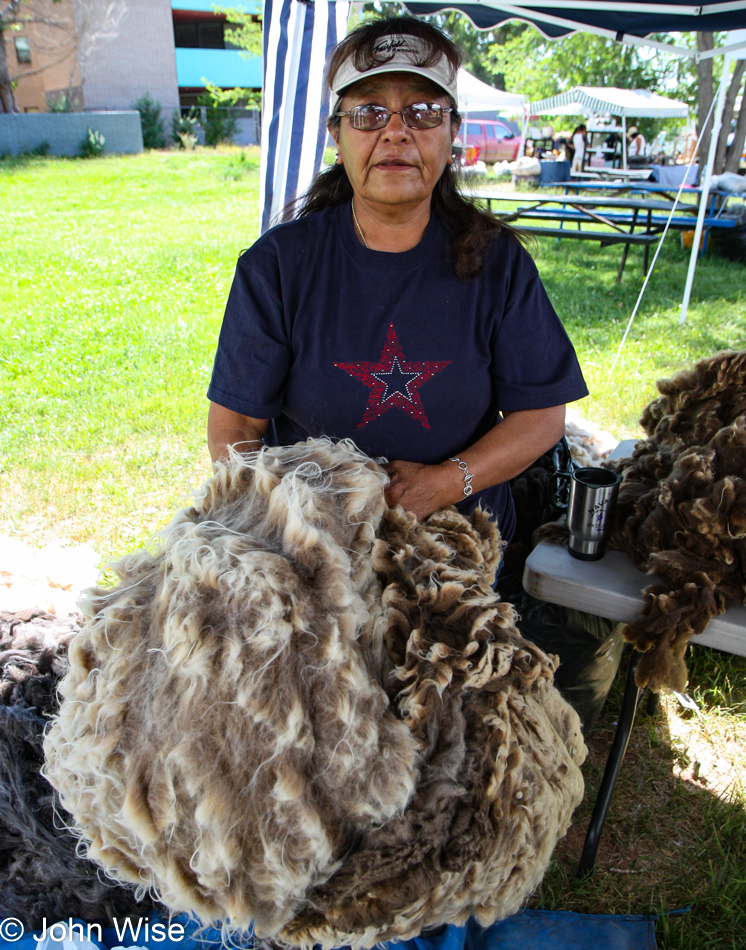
x=644 y=218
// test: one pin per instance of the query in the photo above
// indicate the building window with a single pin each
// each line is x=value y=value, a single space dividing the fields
x=23 y=50
x=200 y=35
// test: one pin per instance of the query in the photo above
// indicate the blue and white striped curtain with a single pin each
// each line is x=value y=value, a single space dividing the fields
x=298 y=35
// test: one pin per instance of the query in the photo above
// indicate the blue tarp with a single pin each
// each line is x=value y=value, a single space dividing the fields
x=527 y=930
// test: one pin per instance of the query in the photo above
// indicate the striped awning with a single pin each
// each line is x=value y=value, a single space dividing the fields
x=623 y=20
x=601 y=100
x=298 y=36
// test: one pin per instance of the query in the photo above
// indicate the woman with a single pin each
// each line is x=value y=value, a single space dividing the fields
x=636 y=146
x=392 y=311
x=578 y=145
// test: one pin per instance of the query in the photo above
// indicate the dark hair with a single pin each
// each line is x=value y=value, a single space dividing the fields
x=471 y=229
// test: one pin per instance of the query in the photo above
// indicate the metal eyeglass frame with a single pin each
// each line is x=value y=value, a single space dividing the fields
x=401 y=112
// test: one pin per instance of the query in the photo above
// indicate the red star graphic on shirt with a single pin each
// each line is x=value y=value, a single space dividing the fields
x=393 y=381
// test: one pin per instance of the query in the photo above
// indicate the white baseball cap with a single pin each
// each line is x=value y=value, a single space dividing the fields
x=401 y=53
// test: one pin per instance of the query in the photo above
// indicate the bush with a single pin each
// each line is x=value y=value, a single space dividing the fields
x=93 y=144
x=153 y=129
x=62 y=102
x=219 y=124
x=184 y=128
x=41 y=149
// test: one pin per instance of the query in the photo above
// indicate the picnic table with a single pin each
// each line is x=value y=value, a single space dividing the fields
x=618 y=219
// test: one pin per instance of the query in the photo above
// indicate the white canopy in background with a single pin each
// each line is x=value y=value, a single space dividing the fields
x=600 y=100
x=610 y=100
x=477 y=96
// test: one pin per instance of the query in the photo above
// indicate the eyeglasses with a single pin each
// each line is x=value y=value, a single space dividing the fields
x=421 y=115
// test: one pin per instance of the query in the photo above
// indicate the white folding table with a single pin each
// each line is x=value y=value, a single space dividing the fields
x=612 y=587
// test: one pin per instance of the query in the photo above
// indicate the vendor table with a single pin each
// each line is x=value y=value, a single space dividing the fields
x=674 y=175
x=552 y=172
x=612 y=588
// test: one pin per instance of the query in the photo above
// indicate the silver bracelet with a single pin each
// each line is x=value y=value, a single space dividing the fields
x=467 y=477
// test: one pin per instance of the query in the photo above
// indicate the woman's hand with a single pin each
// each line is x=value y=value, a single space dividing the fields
x=504 y=452
x=421 y=488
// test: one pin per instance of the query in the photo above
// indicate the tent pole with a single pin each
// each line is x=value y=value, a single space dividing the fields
x=524 y=131
x=717 y=121
x=624 y=141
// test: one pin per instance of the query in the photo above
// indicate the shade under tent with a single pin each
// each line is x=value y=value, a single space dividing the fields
x=299 y=33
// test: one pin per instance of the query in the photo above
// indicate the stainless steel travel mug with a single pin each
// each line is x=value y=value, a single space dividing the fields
x=590 y=513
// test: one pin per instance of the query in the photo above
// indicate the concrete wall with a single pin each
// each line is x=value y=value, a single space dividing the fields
x=141 y=58
x=65 y=131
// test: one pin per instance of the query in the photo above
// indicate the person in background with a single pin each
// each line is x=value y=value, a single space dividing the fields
x=635 y=146
x=579 y=142
x=613 y=143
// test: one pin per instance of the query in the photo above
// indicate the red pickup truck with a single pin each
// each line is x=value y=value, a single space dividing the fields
x=495 y=140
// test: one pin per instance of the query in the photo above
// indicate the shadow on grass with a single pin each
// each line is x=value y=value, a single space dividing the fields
x=9 y=163
x=672 y=838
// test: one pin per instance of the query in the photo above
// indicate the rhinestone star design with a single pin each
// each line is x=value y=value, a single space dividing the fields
x=394 y=382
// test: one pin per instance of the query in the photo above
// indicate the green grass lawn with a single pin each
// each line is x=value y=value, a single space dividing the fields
x=109 y=312
x=114 y=278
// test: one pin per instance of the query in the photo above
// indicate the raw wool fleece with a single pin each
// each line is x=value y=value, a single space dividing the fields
x=40 y=872
x=681 y=512
x=311 y=711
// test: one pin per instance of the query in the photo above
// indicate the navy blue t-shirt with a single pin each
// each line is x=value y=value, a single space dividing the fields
x=325 y=337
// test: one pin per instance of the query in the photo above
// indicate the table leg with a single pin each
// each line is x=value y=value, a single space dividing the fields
x=625 y=252
x=613 y=764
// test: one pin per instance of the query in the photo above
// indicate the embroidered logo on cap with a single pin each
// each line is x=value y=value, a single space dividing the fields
x=393 y=45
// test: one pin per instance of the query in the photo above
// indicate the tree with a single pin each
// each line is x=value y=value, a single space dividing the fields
x=246 y=33
x=75 y=30
x=726 y=159
x=540 y=68
x=734 y=152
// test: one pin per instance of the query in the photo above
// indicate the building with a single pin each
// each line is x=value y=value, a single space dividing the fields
x=162 y=47
x=41 y=59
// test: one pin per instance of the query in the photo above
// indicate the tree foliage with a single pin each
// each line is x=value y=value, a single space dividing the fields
x=539 y=68
x=151 y=122
x=245 y=32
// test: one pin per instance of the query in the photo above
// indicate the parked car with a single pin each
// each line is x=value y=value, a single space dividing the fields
x=495 y=140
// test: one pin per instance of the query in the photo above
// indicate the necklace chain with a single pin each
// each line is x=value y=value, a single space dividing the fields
x=358 y=224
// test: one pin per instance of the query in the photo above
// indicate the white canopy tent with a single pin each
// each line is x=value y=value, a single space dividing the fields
x=477 y=96
x=601 y=100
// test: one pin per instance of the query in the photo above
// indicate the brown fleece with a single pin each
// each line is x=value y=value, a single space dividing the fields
x=309 y=710
x=681 y=512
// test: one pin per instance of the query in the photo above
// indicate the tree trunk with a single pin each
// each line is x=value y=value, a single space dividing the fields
x=7 y=99
x=730 y=101
x=705 y=95
x=732 y=159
